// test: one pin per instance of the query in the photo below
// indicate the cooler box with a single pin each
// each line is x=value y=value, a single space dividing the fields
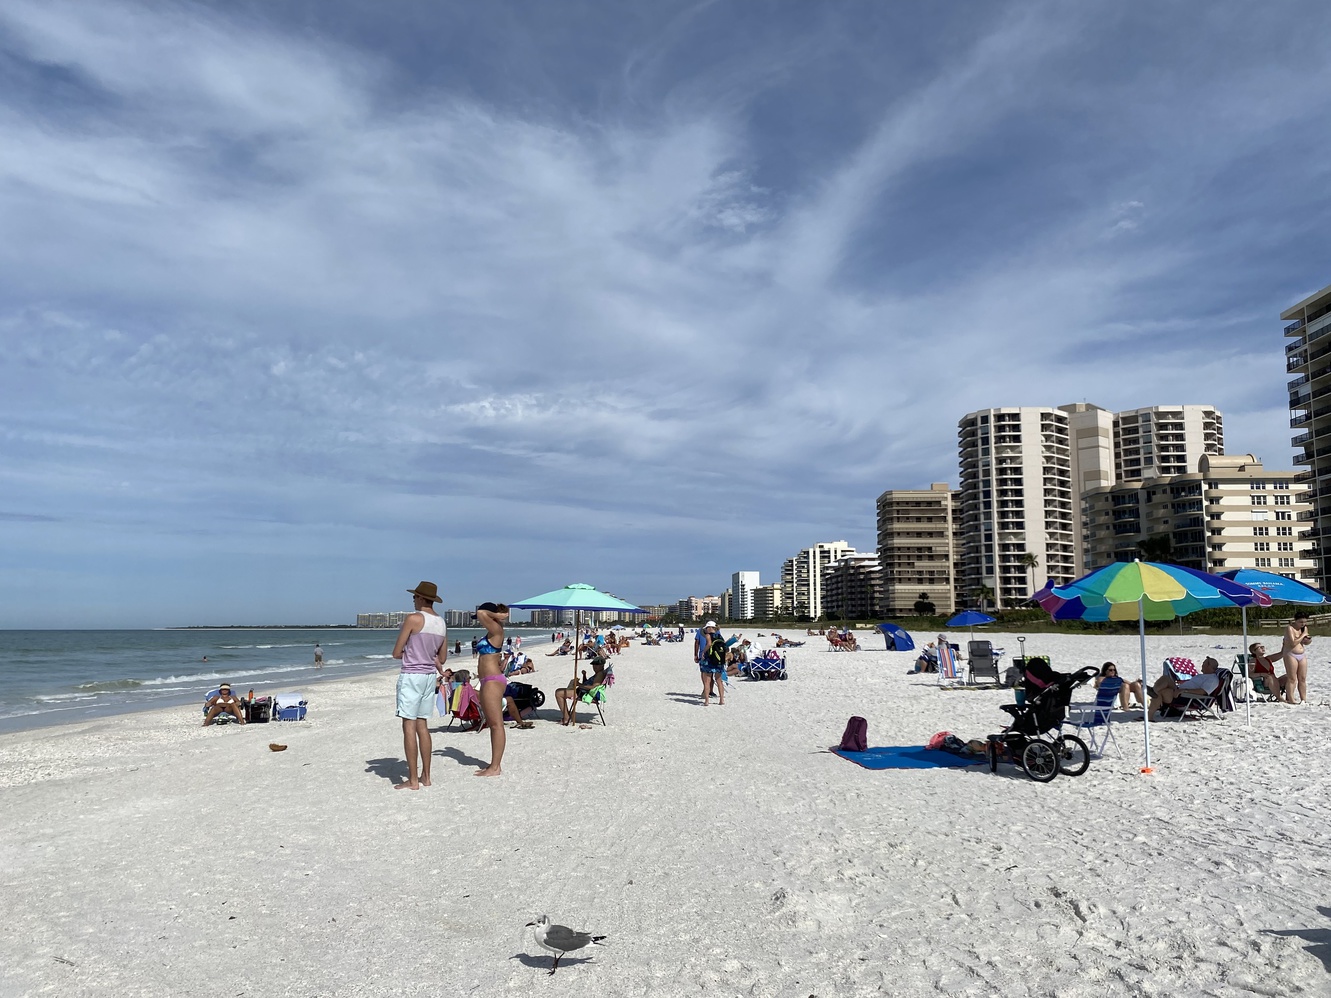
x=289 y=707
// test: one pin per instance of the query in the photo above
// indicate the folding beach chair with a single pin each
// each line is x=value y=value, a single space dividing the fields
x=1191 y=703
x=949 y=669
x=982 y=659
x=1090 y=718
x=1247 y=683
x=289 y=706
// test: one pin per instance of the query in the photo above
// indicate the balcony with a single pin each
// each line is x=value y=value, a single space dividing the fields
x=1297 y=421
x=1301 y=439
x=1294 y=327
x=1298 y=382
x=1295 y=362
x=1296 y=345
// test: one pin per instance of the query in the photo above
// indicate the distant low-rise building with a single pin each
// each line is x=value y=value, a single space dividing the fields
x=387 y=618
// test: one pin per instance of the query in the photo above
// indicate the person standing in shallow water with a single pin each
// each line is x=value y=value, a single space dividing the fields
x=490 y=667
x=422 y=647
x=318 y=656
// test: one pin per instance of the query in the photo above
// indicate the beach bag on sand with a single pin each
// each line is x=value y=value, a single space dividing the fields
x=856 y=738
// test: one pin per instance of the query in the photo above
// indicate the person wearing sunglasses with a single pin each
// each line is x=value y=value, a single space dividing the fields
x=1109 y=671
x=223 y=702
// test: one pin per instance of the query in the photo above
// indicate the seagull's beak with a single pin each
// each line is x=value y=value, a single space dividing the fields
x=530 y=924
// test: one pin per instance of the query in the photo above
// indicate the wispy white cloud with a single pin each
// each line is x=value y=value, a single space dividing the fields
x=264 y=285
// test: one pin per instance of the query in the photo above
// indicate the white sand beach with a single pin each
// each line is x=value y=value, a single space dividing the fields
x=723 y=850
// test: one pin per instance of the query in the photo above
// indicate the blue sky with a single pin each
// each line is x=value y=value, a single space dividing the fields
x=302 y=302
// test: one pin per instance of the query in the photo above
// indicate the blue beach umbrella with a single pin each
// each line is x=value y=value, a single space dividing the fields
x=1142 y=591
x=970 y=618
x=577 y=596
x=897 y=638
x=1280 y=590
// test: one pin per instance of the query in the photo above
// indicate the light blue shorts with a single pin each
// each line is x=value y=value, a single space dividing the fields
x=415 y=694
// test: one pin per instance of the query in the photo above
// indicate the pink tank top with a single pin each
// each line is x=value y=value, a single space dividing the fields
x=422 y=647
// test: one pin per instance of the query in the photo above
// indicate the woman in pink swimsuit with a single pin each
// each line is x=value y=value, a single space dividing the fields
x=490 y=667
x=1295 y=654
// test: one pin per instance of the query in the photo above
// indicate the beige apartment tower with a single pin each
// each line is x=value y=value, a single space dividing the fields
x=1165 y=440
x=1231 y=513
x=916 y=552
x=1308 y=361
x=852 y=587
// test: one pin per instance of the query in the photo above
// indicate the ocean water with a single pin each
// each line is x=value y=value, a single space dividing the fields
x=51 y=677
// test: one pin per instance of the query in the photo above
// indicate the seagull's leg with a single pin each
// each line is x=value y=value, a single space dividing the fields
x=556 y=966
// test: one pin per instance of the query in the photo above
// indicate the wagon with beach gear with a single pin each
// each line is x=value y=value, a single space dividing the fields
x=1035 y=740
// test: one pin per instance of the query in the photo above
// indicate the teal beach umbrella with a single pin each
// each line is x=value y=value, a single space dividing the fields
x=576 y=596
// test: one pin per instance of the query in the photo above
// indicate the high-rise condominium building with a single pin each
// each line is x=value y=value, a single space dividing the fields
x=767 y=603
x=915 y=548
x=802 y=577
x=852 y=587
x=1019 y=507
x=1308 y=360
x=1165 y=440
x=742 y=585
x=1230 y=513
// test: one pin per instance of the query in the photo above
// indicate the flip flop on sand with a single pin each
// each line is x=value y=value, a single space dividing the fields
x=523 y=724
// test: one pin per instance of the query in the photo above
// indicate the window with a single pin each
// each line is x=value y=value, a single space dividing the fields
x=1254 y=484
x=1261 y=514
x=1261 y=531
x=1262 y=546
x=1259 y=500
x=1281 y=514
x=1280 y=485
x=1263 y=562
x=1286 y=562
x=1284 y=545
x=1282 y=500
x=1284 y=531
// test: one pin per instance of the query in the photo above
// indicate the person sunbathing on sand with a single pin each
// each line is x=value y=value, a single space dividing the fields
x=224 y=702
x=563 y=649
x=1263 y=667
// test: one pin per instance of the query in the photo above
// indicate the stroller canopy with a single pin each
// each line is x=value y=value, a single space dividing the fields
x=897 y=638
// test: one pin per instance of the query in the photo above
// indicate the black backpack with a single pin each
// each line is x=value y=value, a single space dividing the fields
x=716 y=651
x=856 y=738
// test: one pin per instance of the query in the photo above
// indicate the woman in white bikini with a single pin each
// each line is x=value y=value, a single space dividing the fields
x=1295 y=654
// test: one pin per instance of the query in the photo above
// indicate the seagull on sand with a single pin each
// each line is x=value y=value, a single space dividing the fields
x=560 y=939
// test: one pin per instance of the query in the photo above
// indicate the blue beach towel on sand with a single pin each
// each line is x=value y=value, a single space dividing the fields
x=907 y=757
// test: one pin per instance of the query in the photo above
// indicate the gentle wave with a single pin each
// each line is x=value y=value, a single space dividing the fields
x=110 y=685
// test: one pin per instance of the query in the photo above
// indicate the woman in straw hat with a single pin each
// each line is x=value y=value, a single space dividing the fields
x=422 y=647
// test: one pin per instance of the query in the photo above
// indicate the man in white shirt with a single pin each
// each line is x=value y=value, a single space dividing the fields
x=1167 y=689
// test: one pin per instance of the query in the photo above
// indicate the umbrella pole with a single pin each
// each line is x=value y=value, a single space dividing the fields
x=577 y=643
x=1247 y=672
x=1146 y=713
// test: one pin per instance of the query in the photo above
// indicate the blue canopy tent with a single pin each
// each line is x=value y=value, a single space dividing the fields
x=576 y=596
x=897 y=639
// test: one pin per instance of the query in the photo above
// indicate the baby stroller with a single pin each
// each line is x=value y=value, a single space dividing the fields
x=1034 y=740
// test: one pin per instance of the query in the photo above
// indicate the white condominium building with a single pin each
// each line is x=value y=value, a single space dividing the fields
x=1231 y=513
x=767 y=603
x=1165 y=440
x=1018 y=504
x=742 y=585
x=802 y=577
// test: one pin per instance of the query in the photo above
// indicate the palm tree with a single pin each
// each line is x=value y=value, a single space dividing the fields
x=1156 y=547
x=924 y=606
x=982 y=593
x=1030 y=561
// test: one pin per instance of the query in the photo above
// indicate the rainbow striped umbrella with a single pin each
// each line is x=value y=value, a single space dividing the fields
x=1142 y=591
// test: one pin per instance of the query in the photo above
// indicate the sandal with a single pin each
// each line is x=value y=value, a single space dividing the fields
x=524 y=724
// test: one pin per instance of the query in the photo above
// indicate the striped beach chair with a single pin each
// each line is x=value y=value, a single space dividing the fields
x=949 y=669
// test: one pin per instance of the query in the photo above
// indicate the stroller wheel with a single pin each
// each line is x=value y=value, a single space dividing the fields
x=1040 y=762
x=1074 y=758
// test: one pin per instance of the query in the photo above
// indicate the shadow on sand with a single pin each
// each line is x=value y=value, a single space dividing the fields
x=1319 y=940
x=544 y=962
x=460 y=757
x=392 y=770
